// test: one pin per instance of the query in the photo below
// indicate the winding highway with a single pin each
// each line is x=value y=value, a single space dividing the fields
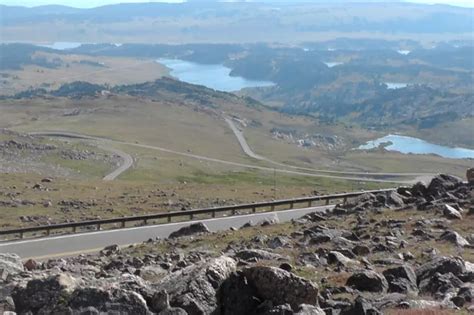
x=81 y=243
x=249 y=152
x=294 y=171
x=127 y=159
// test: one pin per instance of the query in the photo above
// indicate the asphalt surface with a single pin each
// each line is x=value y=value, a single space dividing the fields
x=127 y=160
x=74 y=244
x=423 y=177
x=292 y=171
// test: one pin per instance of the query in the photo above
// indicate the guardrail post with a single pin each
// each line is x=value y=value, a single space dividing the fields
x=98 y=227
x=191 y=216
x=145 y=222
x=310 y=203
x=345 y=200
x=292 y=205
x=234 y=212
x=327 y=202
x=123 y=224
x=169 y=219
x=73 y=229
x=272 y=208
x=213 y=214
x=21 y=235
x=254 y=209
x=48 y=232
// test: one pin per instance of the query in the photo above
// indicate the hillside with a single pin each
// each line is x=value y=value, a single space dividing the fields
x=390 y=253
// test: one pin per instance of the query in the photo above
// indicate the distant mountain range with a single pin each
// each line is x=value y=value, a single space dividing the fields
x=206 y=21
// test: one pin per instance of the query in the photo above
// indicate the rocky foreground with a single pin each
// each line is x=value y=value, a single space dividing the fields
x=404 y=252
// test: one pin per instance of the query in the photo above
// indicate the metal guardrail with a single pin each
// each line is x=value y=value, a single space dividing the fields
x=145 y=219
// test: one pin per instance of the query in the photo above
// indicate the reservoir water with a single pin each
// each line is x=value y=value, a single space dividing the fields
x=213 y=76
x=396 y=85
x=333 y=64
x=407 y=145
x=62 y=45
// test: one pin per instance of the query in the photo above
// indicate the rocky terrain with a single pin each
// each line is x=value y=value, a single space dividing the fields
x=394 y=253
x=21 y=153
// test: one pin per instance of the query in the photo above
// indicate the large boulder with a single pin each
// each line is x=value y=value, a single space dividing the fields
x=441 y=265
x=10 y=264
x=441 y=184
x=195 y=228
x=195 y=288
x=43 y=295
x=280 y=286
x=111 y=301
x=401 y=279
x=238 y=296
x=368 y=281
x=440 y=284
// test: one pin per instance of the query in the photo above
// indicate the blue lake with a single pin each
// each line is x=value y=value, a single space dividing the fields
x=214 y=76
x=407 y=145
x=396 y=85
x=62 y=45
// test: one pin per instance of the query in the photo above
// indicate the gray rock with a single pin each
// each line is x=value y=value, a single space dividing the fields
x=173 y=311
x=195 y=228
x=195 y=288
x=451 y=213
x=42 y=295
x=368 y=281
x=238 y=296
x=280 y=286
x=335 y=257
x=10 y=264
x=441 y=265
x=306 y=309
x=401 y=279
x=363 y=307
x=259 y=254
x=455 y=238
x=440 y=284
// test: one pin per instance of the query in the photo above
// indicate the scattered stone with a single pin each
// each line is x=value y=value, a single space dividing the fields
x=280 y=286
x=194 y=288
x=368 y=281
x=11 y=263
x=257 y=254
x=451 y=213
x=401 y=279
x=195 y=228
x=455 y=238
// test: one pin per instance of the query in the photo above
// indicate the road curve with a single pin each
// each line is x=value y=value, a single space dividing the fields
x=248 y=151
x=74 y=244
x=127 y=159
x=127 y=162
x=209 y=159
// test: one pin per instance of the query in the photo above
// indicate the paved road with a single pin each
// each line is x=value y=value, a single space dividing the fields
x=249 y=152
x=127 y=159
x=74 y=244
x=127 y=162
x=209 y=159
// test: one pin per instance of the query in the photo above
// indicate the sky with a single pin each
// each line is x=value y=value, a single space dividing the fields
x=95 y=3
